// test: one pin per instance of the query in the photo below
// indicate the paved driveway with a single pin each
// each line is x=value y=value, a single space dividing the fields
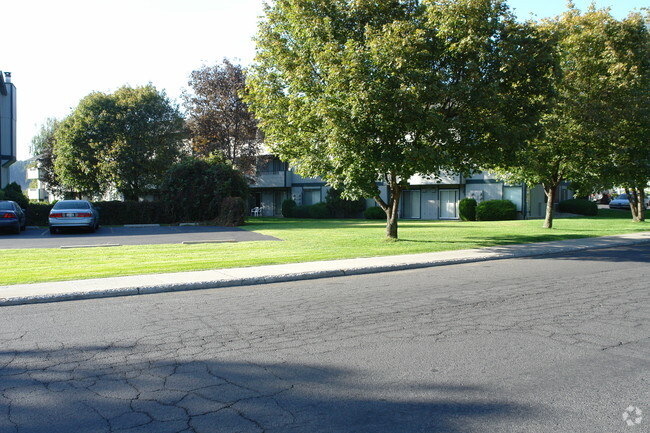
x=41 y=238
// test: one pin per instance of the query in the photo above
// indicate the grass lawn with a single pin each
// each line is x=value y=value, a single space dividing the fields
x=302 y=240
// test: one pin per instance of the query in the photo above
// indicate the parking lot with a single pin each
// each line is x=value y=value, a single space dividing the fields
x=119 y=235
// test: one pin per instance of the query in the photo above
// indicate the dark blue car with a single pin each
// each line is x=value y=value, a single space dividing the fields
x=12 y=216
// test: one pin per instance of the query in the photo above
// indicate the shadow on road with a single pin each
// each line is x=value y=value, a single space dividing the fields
x=102 y=389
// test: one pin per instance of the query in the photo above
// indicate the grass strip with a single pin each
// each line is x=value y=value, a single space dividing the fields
x=302 y=241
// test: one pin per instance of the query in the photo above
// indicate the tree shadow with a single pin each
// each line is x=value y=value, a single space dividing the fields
x=102 y=389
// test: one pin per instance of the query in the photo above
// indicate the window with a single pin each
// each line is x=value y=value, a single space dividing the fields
x=310 y=196
x=411 y=204
x=513 y=193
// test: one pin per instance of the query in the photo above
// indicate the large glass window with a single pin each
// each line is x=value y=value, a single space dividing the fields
x=449 y=203
x=310 y=196
x=411 y=204
x=514 y=194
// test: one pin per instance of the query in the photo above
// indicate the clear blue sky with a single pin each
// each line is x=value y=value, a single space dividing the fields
x=61 y=50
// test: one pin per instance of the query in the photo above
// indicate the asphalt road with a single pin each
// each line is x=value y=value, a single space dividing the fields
x=548 y=344
x=118 y=235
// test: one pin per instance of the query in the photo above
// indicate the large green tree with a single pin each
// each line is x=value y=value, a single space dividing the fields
x=125 y=140
x=42 y=149
x=357 y=91
x=596 y=129
x=218 y=118
x=628 y=110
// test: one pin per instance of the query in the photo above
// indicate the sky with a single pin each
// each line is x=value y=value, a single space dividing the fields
x=59 y=51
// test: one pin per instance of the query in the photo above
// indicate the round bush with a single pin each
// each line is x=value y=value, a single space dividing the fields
x=579 y=207
x=496 y=210
x=288 y=208
x=467 y=209
x=374 y=213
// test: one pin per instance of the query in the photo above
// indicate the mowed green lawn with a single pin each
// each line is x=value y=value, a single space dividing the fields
x=302 y=240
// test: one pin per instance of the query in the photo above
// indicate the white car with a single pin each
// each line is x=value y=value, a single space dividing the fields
x=623 y=202
x=73 y=213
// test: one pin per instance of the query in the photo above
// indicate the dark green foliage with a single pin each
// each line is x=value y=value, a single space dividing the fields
x=37 y=213
x=2 y=194
x=467 y=209
x=319 y=211
x=314 y=211
x=301 y=212
x=578 y=206
x=343 y=208
x=125 y=140
x=374 y=213
x=134 y=212
x=232 y=212
x=496 y=210
x=194 y=188
x=13 y=192
x=288 y=208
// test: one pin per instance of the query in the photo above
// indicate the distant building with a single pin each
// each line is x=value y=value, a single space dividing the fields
x=7 y=126
x=425 y=198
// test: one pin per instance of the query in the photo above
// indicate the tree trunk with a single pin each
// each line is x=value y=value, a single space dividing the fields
x=636 y=197
x=549 y=190
x=391 y=208
x=391 y=219
x=641 y=197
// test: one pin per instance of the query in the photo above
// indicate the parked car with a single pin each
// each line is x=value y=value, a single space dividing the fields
x=12 y=216
x=73 y=213
x=623 y=202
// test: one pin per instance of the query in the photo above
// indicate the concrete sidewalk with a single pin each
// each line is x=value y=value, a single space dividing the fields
x=158 y=283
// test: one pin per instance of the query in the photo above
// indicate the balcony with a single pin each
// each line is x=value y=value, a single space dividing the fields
x=33 y=173
x=271 y=179
x=37 y=194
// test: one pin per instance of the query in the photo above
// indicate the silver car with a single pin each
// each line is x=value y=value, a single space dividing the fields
x=73 y=213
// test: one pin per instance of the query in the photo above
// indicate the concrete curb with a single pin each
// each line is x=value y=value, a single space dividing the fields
x=213 y=279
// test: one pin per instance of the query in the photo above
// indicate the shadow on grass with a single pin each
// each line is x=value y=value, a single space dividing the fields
x=93 y=389
x=496 y=240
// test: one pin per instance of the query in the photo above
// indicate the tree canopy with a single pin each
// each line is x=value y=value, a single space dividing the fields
x=357 y=91
x=595 y=131
x=218 y=119
x=42 y=149
x=125 y=140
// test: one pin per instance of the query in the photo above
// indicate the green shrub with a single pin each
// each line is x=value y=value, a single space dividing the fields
x=2 y=194
x=343 y=208
x=467 y=209
x=301 y=212
x=374 y=213
x=578 y=206
x=288 y=208
x=13 y=192
x=194 y=188
x=496 y=210
x=319 y=211
x=37 y=213
x=233 y=212
x=134 y=212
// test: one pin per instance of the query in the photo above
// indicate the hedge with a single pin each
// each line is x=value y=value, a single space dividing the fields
x=496 y=210
x=579 y=207
x=374 y=213
x=136 y=212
